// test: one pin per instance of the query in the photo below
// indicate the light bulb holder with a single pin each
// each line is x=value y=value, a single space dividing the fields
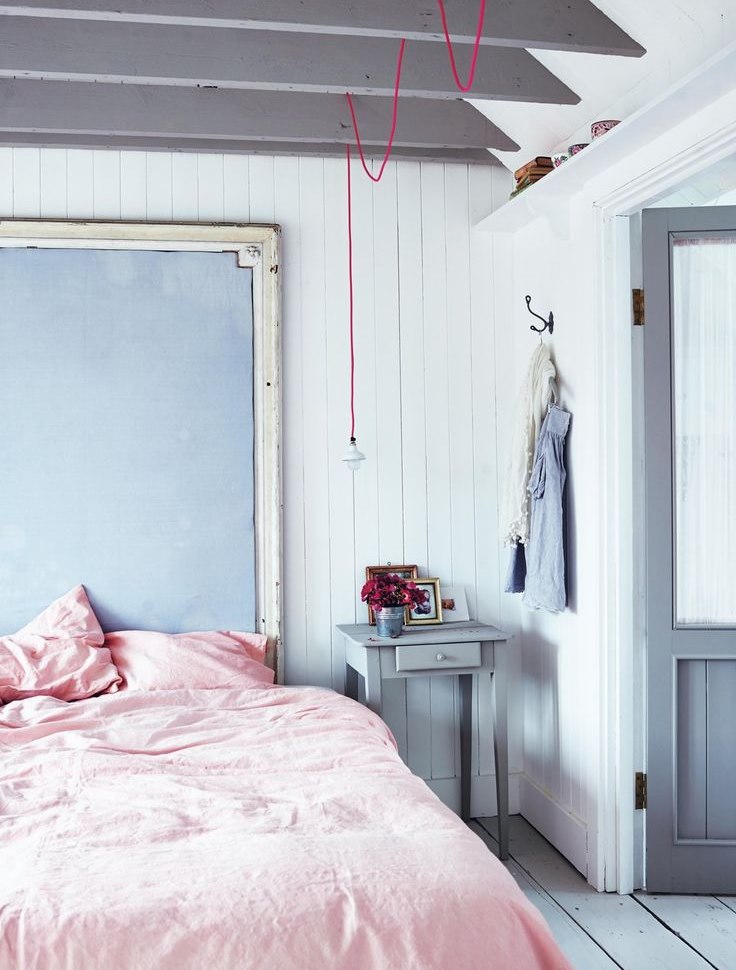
x=353 y=457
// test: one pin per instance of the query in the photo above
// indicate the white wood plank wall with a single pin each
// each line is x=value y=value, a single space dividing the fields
x=562 y=771
x=426 y=365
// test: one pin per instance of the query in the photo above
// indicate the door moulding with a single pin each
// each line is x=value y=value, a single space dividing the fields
x=622 y=639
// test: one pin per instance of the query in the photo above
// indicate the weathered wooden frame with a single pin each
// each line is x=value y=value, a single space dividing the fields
x=406 y=572
x=255 y=247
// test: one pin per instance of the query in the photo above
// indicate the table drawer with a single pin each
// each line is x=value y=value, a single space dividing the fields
x=434 y=656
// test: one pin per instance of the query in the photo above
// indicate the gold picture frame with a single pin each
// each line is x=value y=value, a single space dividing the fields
x=406 y=572
x=434 y=617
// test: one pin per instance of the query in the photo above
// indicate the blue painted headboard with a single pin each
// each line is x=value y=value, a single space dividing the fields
x=126 y=436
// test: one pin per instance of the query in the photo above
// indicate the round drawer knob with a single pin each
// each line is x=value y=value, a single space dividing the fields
x=441 y=657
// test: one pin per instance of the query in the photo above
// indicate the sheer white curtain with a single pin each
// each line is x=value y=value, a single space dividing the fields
x=704 y=360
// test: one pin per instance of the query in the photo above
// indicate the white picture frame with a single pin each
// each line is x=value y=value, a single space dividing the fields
x=454 y=604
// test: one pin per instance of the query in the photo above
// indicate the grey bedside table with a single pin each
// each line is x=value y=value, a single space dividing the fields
x=450 y=649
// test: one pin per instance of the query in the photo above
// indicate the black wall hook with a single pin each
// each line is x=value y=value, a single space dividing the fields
x=548 y=324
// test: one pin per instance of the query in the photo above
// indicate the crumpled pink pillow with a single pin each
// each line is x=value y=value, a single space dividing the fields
x=60 y=654
x=188 y=661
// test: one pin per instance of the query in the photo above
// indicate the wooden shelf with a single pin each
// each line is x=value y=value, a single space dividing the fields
x=557 y=187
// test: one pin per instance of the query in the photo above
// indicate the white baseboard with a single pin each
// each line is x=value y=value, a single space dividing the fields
x=567 y=833
x=482 y=794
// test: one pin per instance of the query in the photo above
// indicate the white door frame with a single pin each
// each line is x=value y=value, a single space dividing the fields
x=622 y=635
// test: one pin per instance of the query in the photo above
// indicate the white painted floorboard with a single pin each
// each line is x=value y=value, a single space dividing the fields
x=729 y=901
x=578 y=947
x=704 y=921
x=605 y=930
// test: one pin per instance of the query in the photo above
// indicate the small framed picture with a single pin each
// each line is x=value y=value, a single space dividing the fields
x=431 y=611
x=406 y=572
x=454 y=604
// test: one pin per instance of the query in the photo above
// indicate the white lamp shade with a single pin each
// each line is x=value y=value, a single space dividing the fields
x=353 y=457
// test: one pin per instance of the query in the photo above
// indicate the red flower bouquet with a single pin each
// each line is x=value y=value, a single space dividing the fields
x=388 y=589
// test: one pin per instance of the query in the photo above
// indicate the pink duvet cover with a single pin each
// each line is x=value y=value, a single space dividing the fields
x=235 y=830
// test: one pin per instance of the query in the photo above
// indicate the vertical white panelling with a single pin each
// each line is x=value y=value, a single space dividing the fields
x=387 y=335
x=437 y=409
x=211 y=180
x=388 y=393
x=26 y=183
x=558 y=674
x=484 y=445
x=106 y=185
x=313 y=427
x=512 y=345
x=413 y=378
x=159 y=197
x=436 y=341
x=80 y=176
x=339 y=478
x=461 y=419
x=132 y=185
x=425 y=380
x=184 y=188
x=296 y=449
x=6 y=182
x=414 y=430
x=236 y=176
x=53 y=184
x=366 y=480
x=261 y=176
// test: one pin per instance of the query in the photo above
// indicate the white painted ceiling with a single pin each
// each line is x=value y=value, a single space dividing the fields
x=678 y=35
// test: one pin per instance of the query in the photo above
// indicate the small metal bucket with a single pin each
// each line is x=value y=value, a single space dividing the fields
x=389 y=621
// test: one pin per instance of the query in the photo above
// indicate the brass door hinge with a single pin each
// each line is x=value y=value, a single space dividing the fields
x=640 y=790
x=637 y=303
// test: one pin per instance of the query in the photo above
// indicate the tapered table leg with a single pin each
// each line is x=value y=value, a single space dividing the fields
x=373 y=692
x=466 y=738
x=501 y=747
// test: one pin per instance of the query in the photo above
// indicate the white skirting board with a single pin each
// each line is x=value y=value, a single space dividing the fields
x=567 y=833
x=482 y=794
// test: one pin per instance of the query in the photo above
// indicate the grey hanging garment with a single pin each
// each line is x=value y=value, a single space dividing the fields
x=534 y=399
x=545 y=549
x=516 y=570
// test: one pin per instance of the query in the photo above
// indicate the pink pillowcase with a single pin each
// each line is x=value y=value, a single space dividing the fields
x=174 y=661
x=60 y=654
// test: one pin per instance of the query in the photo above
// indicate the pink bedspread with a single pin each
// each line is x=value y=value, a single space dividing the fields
x=234 y=830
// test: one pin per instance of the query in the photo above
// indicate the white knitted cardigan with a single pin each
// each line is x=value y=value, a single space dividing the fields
x=534 y=399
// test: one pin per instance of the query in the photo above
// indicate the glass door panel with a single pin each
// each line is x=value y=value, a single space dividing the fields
x=704 y=410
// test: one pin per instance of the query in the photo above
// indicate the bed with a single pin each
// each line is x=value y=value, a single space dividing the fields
x=235 y=827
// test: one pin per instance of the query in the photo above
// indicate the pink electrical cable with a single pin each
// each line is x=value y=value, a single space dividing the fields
x=373 y=178
x=476 y=46
x=377 y=178
x=351 y=298
x=394 y=120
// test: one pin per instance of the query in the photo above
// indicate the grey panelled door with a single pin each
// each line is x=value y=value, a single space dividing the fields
x=690 y=393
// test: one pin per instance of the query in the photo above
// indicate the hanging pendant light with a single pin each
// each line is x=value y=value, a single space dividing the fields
x=353 y=457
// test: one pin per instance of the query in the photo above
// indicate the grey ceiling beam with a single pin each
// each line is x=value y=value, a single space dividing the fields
x=70 y=107
x=572 y=25
x=269 y=60
x=472 y=156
